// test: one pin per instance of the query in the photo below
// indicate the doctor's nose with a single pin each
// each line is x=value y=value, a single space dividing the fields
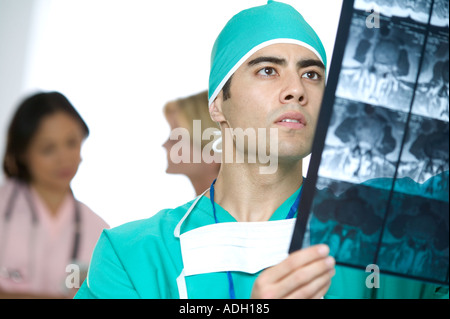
x=293 y=91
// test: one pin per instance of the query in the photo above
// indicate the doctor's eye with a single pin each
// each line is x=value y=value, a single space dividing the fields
x=312 y=75
x=73 y=142
x=47 y=149
x=267 y=71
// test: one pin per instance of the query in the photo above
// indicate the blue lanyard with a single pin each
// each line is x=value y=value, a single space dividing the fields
x=290 y=215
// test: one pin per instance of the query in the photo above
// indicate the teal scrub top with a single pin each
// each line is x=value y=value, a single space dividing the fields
x=142 y=259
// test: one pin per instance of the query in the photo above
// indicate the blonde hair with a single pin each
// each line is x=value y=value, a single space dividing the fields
x=193 y=107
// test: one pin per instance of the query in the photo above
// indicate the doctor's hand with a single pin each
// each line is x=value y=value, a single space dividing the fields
x=305 y=273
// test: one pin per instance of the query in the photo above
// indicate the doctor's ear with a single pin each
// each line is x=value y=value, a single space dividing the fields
x=215 y=109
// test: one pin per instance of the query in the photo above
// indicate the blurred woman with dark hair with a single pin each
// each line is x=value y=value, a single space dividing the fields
x=46 y=235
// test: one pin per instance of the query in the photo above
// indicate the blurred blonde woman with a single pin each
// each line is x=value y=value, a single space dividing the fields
x=188 y=113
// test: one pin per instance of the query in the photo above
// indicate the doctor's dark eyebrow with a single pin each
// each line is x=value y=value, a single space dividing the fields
x=264 y=59
x=280 y=61
x=310 y=62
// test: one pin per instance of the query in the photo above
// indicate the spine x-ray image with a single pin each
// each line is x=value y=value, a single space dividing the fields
x=377 y=189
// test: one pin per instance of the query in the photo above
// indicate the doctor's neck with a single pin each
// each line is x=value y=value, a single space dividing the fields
x=249 y=195
x=53 y=197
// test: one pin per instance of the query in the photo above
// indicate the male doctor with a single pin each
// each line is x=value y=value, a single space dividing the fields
x=267 y=75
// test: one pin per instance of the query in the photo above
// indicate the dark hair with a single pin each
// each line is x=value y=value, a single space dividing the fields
x=24 y=124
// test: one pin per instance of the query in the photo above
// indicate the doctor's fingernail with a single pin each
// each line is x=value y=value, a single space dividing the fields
x=329 y=261
x=323 y=250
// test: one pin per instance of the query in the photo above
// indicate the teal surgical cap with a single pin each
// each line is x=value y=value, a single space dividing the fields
x=253 y=29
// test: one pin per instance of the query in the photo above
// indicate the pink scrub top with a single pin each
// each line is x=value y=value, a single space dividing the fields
x=42 y=253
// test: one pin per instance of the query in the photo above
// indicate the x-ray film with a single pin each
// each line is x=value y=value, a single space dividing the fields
x=377 y=188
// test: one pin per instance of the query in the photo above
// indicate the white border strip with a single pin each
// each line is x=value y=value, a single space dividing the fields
x=256 y=48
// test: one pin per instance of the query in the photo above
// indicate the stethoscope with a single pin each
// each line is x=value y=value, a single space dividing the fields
x=290 y=215
x=15 y=274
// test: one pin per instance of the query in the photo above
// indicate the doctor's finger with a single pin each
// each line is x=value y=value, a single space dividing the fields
x=315 y=289
x=296 y=260
x=306 y=280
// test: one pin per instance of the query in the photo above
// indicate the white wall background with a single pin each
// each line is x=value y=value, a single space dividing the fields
x=119 y=62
